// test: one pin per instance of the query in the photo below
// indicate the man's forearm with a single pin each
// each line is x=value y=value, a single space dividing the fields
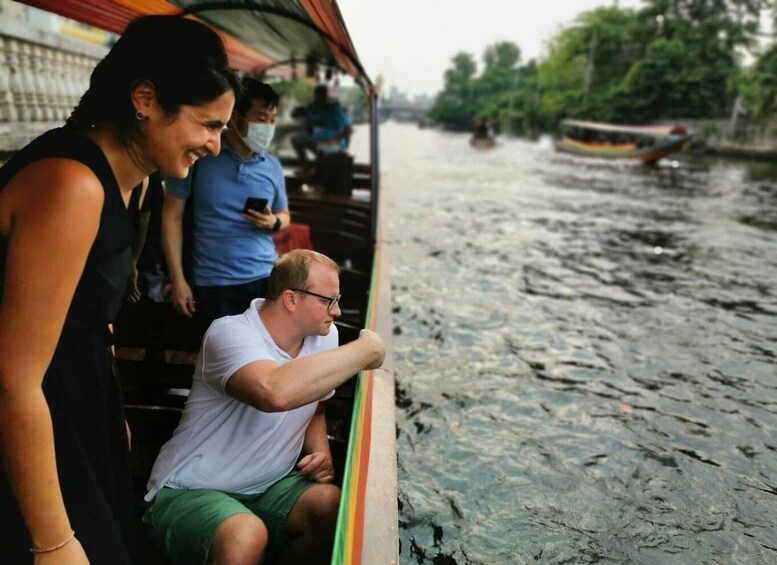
x=299 y=382
x=316 y=440
x=306 y=380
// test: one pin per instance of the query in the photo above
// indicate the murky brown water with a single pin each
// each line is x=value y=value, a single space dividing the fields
x=585 y=354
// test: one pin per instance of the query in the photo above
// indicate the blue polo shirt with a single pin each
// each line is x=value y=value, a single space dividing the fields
x=227 y=249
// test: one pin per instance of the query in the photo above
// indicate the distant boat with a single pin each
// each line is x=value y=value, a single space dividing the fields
x=610 y=141
x=482 y=142
x=482 y=133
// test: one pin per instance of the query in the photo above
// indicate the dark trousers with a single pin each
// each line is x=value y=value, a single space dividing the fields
x=217 y=301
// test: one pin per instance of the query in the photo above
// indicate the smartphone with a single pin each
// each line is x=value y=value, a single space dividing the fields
x=258 y=204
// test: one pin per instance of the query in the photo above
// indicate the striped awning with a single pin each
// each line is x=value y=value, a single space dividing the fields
x=259 y=34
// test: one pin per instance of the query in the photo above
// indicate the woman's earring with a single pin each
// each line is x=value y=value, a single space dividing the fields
x=140 y=116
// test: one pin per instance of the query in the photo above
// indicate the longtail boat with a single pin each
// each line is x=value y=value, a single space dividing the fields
x=154 y=344
x=647 y=144
x=482 y=142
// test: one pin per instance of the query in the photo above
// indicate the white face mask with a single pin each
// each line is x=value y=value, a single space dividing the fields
x=259 y=136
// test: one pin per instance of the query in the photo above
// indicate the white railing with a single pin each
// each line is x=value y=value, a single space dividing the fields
x=42 y=78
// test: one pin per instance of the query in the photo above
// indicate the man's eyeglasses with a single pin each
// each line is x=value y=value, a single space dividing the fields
x=330 y=300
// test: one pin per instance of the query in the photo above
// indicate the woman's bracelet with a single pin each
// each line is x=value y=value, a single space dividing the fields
x=56 y=547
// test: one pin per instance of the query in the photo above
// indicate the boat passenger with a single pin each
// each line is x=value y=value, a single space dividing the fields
x=327 y=127
x=157 y=101
x=232 y=249
x=229 y=486
x=480 y=129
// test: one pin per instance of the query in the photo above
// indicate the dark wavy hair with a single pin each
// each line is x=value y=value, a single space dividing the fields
x=185 y=61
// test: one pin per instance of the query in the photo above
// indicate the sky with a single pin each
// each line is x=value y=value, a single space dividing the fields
x=411 y=42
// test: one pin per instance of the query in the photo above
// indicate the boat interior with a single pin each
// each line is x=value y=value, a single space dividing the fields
x=334 y=210
x=156 y=347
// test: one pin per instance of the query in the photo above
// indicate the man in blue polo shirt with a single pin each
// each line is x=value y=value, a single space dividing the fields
x=232 y=246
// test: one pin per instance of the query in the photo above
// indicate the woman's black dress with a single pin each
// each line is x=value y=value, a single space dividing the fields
x=81 y=385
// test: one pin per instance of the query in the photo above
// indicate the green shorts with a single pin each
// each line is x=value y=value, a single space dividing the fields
x=183 y=523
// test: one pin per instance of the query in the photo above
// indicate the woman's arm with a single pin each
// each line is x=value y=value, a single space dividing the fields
x=50 y=213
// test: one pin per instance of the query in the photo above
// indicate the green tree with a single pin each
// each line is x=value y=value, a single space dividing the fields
x=455 y=105
x=759 y=85
x=665 y=83
x=670 y=59
x=587 y=60
x=500 y=73
x=697 y=47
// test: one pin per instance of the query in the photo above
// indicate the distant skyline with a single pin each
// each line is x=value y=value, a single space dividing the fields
x=411 y=42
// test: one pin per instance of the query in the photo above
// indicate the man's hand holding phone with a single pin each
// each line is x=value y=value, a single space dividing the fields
x=256 y=204
x=256 y=211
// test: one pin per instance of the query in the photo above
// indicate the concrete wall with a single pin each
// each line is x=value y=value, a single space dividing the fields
x=745 y=138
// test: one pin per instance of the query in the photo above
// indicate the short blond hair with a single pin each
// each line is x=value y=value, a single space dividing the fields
x=291 y=270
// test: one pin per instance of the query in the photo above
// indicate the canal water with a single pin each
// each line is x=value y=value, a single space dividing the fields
x=585 y=354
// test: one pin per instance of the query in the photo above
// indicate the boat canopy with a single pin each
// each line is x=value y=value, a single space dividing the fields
x=655 y=131
x=259 y=34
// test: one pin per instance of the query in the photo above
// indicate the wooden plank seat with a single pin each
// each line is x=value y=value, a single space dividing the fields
x=156 y=349
x=155 y=325
x=361 y=175
x=318 y=225
x=293 y=184
x=334 y=201
x=348 y=211
x=361 y=181
x=318 y=221
x=318 y=194
x=345 y=248
x=340 y=227
x=351 y=214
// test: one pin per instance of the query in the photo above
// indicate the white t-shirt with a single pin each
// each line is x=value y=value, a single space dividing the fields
x=224 y=444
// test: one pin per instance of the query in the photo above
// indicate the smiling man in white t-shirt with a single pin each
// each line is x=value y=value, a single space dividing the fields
x=230 y=482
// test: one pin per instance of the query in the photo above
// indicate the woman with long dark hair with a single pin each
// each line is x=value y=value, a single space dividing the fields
x=157 y=102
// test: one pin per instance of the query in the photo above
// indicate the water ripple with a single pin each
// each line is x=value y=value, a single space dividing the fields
x=585 y=355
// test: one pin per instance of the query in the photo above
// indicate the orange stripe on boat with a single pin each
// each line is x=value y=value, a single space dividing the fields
x=361 y=460
x=357 y=531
